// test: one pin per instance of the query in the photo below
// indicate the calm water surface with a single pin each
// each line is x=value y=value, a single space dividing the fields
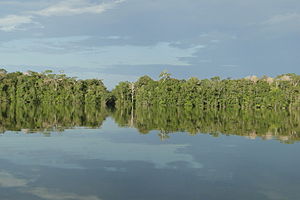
x=120 y=163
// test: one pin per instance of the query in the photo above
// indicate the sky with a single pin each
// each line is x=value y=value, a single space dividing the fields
x=120 y=40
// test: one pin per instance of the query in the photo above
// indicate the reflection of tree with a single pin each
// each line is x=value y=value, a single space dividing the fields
x=265 y=124
x=163 y=135
x=47 y=117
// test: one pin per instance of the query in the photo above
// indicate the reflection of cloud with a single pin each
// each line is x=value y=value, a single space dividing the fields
x=70 y=148
x=54 y=195
x=9 y=180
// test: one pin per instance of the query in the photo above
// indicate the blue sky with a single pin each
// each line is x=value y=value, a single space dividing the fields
x=118 y=40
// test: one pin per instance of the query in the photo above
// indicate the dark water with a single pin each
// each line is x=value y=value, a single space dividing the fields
x=141 y=155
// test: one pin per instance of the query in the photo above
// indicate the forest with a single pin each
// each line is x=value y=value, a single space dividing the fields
x=253 y=107
x=49 y=88
x=281 y=92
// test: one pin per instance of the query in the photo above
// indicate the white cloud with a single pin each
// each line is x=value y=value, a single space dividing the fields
x=285 y=18
x=280 y=25
x=14 y=22
x=63 y=8
x=76 y=7
x=72 y=51
x=8 y=2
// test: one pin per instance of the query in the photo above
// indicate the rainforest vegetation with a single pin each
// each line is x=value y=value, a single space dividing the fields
x=251 y=92
x=48 y=88
x=253 y=107
x=282 y=92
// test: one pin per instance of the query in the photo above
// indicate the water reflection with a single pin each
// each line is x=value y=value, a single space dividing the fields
x=266 y=124
x=87 y=144
x=115 y=162
x=29 y=118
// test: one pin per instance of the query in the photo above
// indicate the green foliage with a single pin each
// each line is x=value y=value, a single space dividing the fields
x=48 y=88
x=43 y=101
x=282 y=92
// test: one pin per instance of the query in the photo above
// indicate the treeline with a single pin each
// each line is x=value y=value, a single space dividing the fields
x=49 y=88
x=281 y=92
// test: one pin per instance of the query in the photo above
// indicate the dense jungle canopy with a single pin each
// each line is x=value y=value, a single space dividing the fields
x=247 y=93
x=281 y=92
